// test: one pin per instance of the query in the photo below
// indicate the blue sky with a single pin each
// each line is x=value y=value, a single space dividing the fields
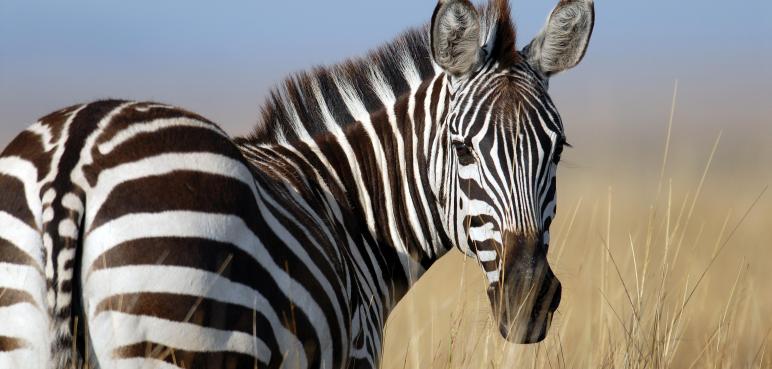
x=219 y=59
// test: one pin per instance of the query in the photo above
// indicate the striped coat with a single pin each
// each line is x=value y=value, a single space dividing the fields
x=136 y=234
x=159 y=210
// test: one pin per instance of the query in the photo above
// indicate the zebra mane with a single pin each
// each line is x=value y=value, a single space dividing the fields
x=308 y=99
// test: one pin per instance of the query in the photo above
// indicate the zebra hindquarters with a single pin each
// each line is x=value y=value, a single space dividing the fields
x=174 y=275
x=24 y=319
x=168 y=267
x=162 y=302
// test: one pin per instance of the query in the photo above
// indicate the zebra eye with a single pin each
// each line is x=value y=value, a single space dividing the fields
x=464 y=153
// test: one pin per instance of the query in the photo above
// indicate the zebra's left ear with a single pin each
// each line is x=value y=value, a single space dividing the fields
x=563 y=41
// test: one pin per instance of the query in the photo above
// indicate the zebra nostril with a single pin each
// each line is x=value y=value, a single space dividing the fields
x=556 y=298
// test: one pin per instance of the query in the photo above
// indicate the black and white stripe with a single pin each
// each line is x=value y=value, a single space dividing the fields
x=288 y=248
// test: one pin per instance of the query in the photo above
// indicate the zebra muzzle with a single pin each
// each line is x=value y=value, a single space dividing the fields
x=524 y=306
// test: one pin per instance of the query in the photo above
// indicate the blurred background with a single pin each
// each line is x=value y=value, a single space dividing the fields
x=619 y=205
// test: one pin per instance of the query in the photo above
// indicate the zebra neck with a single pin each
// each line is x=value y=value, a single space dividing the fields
x=377 y=170
x=391 y=149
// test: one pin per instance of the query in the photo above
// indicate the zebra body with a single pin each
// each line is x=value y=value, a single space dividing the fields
x=181 y=247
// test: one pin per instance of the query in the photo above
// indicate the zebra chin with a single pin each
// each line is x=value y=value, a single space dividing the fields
x=523 y=307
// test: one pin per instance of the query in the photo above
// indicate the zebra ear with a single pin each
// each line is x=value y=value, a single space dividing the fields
x=455 y=37
x=563 y=41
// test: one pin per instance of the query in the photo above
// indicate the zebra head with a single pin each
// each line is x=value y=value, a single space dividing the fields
x=500 y=146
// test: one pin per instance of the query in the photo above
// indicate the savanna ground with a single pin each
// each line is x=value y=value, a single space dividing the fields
x=664 y=249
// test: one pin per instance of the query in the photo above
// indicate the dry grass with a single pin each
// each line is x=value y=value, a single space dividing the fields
x=661 y=270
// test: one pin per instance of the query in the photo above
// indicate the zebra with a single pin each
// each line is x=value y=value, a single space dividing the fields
x=137 y=234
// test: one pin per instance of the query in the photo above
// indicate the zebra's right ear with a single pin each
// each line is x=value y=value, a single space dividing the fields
x=455 y=37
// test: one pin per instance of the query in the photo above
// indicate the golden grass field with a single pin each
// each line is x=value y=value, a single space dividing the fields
x=669 y=266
